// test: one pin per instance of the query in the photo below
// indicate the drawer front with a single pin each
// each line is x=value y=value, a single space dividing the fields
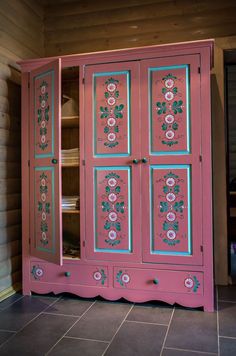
x=159 y=280
x=70 y=274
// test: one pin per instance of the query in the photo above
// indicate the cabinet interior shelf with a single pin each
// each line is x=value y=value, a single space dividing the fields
x=70 y=121
x=68 y=165
x=70 y=211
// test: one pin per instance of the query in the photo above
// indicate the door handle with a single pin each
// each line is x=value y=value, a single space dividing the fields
x=144 y=160
x=135 y=161
x=54 y=161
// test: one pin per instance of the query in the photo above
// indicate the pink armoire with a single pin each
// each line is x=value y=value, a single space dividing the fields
x=116 y=174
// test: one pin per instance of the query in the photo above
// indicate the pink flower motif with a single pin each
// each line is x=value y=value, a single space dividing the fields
x=125 y=278
x=189 y=282
x=43 y=104
x=112 y=216
x=170 y=134
x=170 y=182
x=169 y=119
x=43 y=124
x=43 y=196
x=112 y=197
x=44 y=236
x=43 y=138
x=169 y=95
x=111 y=122
x=97 y=276
x=111 y=137
x=111 y=87
x=169 y=83
x=39 y=272
x=171 y=234
x=112 y=182
x=111 y=101
x=112 y=234
x=44 y=216
x=170 y=197
x=171 y=216
x=43 y=89
x=43 y=182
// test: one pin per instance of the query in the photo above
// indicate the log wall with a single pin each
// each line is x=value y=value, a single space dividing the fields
x=21 y=37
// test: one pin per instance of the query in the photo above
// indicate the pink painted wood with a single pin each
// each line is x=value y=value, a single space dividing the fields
x=45 y=176
x=162 y=159
x=112 y=225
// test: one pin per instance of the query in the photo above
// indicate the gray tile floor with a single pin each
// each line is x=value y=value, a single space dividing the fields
x=66 y=325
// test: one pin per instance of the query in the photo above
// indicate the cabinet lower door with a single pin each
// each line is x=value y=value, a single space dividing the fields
x=171 y=146
x=112 y=169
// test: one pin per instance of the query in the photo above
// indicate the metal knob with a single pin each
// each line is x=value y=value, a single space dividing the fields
x=67 y=274
x=155 y=281
x=54 y=160
x=135 y=161
x=144 y=160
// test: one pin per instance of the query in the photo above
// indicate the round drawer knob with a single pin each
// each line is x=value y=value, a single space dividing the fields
x=67 y=274
x=155 y=281
x=135 y=161
x=144 y=160
x=54 y=161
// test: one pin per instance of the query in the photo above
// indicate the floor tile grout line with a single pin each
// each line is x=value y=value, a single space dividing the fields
x=228 y=337
x=12 y=303
x=117 y=330
x=193 y=351
x=167 y=331
x=18 y=331
x=226 y=301
x=217 y=321
x=145 y=322
x=7 y=331
x=83 y=338
x=59 y=314
x=79 y=318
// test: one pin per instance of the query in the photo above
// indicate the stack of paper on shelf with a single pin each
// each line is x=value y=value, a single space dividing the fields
x=70 y=157
x=70 y=202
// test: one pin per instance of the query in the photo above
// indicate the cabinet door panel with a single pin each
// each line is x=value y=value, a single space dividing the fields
x=171 y=178
x=45 y=184
x=112 y=179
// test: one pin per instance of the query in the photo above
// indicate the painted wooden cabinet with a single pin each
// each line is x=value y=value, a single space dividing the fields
x=117 y=174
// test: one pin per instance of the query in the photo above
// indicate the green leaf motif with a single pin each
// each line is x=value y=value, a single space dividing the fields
x=43 y=131
x=175 y=90
x=171 y=175
x=111 y=80
x=116 y=129
x=169 y=143
x=120 y=207
x=106 y=129
x=104 y=111
x=169 y=76
x=165 y=189
x=176 y=189
x=111 y=144
x=108 y=189
x=178 y=206
x=196 y=284
x=163 y=206
x=164 y=90
x=117 y=111
x=112 y=242
x=164 y=127
x=117 y=189
x=43 y=189
x=117 y=94
x=106 y=95
x=177 y=107
x=107 y=225
x=112 y=175
x=106 y=206
x=47 y=208
x=39 y=115
x=117 y=226
x=175 y=126
x=118 y=278
x=40 y=206
x=161 y=108
x=44 y=226
x=47 y=114
x=172 y=242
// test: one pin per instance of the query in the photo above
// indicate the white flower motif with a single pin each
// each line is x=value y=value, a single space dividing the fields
x=43 y=124
x=97 y=276
x=43 y=89
x=171 y=234
x=125 y=278
x=112 y=197
x=112 y=182
x=169 y=83
x=171 y=216
x=112 y=234
x=44 y=216
x=111 y=137
x=111 y=87
x=43 y=182
x=170 y=134
x=169 y=95
x=39 y=272
x=188 y=282
x=43 y=196
x=43 y=104
x=112 y=216
x=169 y=119
x=170 y=182
x=43 y=138
x=170 y=197
x=44 y=236
x=111 y=101
x=111 y=122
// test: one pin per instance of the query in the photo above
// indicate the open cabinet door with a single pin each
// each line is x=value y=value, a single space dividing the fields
x=45 y=166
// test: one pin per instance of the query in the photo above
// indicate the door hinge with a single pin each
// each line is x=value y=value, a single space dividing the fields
x=200 y=158
x=201 y=248
x=83 y=80
x=83 y=243
x=28 y=163
x=83 y=162
x=199 y=70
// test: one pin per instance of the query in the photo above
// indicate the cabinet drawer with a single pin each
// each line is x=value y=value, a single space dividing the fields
x=159 y=280
x=70 y=274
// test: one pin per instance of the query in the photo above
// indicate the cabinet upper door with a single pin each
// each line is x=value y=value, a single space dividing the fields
x=45 y=167
x=112 y=143
x=172 y=175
